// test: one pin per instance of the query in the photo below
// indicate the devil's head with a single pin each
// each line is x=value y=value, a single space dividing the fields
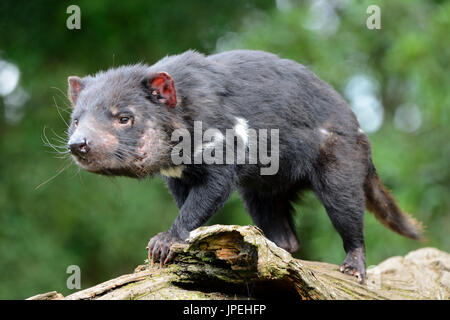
x=121 y=120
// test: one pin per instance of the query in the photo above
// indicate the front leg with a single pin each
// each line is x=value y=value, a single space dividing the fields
x=179 y=189
x=205 y=197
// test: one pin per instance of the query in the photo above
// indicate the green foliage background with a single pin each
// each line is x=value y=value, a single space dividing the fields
x=103 y=224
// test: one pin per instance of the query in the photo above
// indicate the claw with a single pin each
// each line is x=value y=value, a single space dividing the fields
x=352 y=271
x=159 y=248
x=170 y=256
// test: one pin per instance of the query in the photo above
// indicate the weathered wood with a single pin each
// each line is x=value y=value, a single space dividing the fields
x=228 y=262
x=52 y=295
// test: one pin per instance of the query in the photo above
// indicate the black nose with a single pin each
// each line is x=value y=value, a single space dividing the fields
x=79 y=148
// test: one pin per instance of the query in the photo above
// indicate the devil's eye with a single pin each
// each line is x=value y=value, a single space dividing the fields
x=124 y=120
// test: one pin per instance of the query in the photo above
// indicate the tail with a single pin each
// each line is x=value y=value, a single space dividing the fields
x=381 y=203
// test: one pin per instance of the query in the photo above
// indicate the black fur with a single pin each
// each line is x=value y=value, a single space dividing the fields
x=320 y=145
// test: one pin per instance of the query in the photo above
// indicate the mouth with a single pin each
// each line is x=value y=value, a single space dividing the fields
x=86 y=163
x=82 y=160
x=94 y=166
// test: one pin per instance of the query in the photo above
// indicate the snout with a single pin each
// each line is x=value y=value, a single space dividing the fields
x=79 y=147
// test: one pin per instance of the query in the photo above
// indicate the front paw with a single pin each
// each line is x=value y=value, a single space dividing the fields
x=159 y=247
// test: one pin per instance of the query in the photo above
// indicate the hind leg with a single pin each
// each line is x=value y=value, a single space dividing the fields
x=273 y=214
x=343 y=198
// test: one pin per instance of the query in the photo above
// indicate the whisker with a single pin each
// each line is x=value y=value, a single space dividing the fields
x=59 y=113
x=47 y=143
x=68 y=108
x=57 y=135
x=54 y=176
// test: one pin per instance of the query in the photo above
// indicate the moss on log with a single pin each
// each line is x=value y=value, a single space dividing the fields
x=229 y=262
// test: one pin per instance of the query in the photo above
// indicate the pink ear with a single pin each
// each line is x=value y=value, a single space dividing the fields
x=75 y=86
x=162 y=87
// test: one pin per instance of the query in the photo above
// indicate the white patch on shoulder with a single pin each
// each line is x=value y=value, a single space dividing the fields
x=241 y=129
x=360 y=130
x=173 y=172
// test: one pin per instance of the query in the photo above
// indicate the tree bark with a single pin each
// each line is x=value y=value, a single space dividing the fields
x=229 y=262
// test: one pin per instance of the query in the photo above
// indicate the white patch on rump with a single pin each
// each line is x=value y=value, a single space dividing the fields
x=325 y=132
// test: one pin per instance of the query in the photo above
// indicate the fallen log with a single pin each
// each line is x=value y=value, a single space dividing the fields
x=229 y=262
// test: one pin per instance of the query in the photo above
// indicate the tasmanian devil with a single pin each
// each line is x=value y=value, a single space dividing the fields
x=124 y=122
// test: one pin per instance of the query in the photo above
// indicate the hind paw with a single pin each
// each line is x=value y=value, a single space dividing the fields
x=353 y=271
x=355 y=264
